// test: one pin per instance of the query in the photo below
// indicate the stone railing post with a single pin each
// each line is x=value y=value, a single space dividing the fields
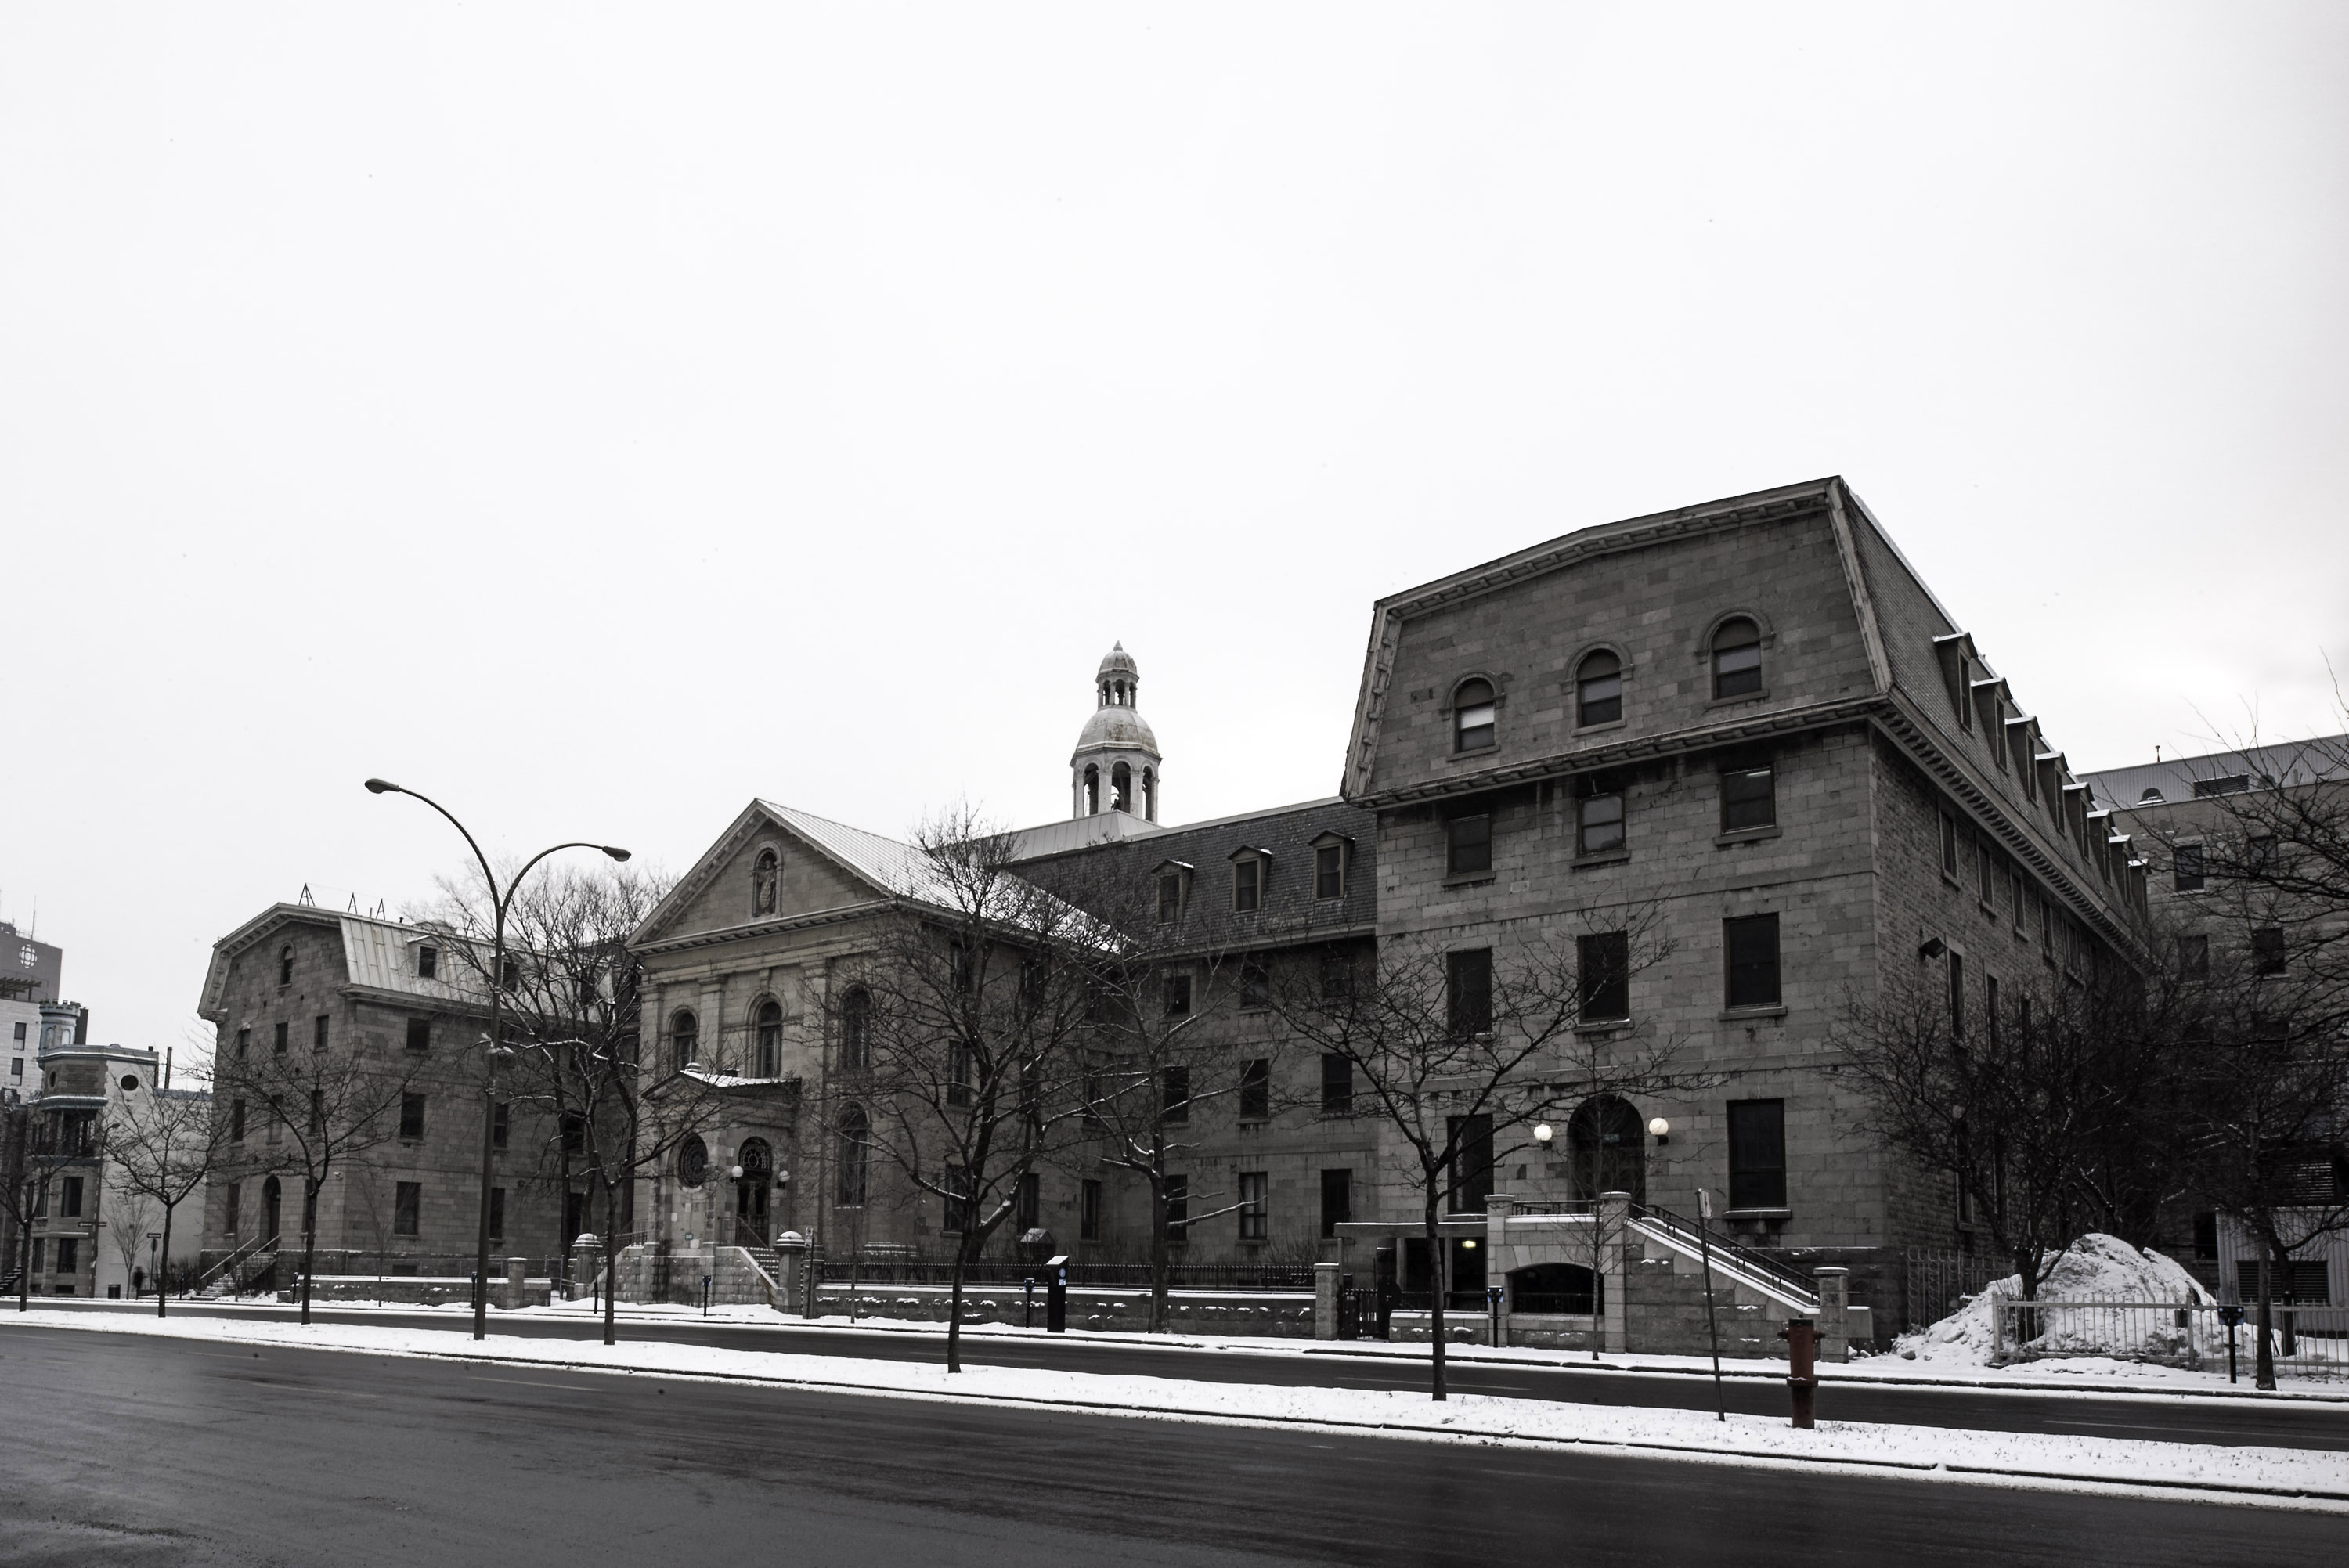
x=1835 y=1302
x=1325 y=1301
x=517 y=1270
x=1613 y=1218
x=1497 y=1209
x=790 y=1263
x=811 y=1276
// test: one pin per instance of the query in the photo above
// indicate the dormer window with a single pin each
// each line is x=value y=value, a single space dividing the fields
x=1472 y=710
x=1736 y=659
x=1248 y=869
x=1330 y=852
x=1174 y=889
x=1598 y=690
x=427 y=962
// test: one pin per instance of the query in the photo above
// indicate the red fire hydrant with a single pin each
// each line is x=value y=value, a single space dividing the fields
x=1802 y=1338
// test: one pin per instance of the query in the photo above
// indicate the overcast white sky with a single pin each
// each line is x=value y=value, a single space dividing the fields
x=598 y=418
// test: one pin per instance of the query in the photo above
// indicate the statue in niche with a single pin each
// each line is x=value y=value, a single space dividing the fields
x=763 y=883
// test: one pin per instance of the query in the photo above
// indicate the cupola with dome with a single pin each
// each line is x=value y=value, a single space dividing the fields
x=1116 y=766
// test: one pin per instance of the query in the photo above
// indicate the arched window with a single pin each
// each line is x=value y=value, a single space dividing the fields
x=855 y=1139
x=763 y=873
x=1093 y=790
x=1736 y=658
x=856 y=1028
x=286 y=964
x=1599 y=689
x=1149 y=795
x=770 y=1039
x=1603 y=1142
x=1471 y=716
x=1120 y=787
x=692 y=1161
x=685 y=1037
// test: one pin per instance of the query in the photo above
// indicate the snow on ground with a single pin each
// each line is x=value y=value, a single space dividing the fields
x=2259 y=1476
x=2101 y=1376
x=2097 y=1268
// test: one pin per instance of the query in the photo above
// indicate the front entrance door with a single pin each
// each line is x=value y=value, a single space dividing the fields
x=758 y=1164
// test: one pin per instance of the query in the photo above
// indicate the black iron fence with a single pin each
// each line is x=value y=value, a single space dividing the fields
x=1939 y=1283
x=995 y=1273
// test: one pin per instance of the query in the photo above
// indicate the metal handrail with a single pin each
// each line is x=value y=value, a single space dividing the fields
x=231 y=1260
x=1752 y=1257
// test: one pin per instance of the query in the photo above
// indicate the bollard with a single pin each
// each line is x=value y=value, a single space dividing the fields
x=1028 y=1308
x=1802 y=1370
x=705 y=1295
x=1056 y=1294
x=1493 y=1303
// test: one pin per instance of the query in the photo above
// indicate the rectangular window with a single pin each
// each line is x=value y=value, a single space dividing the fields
x=318 y=1026
x=68 y=1259
x=1256 y=983
x=1170 y=898
x=1599 y=823
x=318 y=1113
x=2232 y=784
x=2014 y=887
x=1750 y=943
x=1255 y=1194
x=69 y=1198
x=1248 y=886
x=497 y=1214
x=2194 y=958
x=407 y=1208
x=1990 y=1009
x=2206 y=1236
x=1089 y=1205
x=1949 y=846
x=1757 y=1154
x=956 y=1200
x=420 y=1033
x=1468 y=845
x=2267 y=950
x=500 y=1123
x=236 y=1120
x=16 y=1068
x=2046 y=926
x=2185 y=870
x=1337 y=1201
x=276 y=1118
x=1468 y=991
x=1175 y=1093
x=1337 y=974
x=957 y=1074
x=1985 y=874
x=411 y=1115
x=1749 y=799
x=1028 y=1202
x=2258 y=853
x=1178 y=1208
x=1329 y=872
x=1603 y=974
x=282 y=1029
x=958 y=966
x=427 y=962
x=1957 y=967
x=1255 y=1089
x=1472 y=1165
x=575 y=1132
x=228 y=1222
x=1174 y=991
x=1337 y=1084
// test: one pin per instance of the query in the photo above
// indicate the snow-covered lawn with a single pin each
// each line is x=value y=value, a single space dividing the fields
x=2255 y=1476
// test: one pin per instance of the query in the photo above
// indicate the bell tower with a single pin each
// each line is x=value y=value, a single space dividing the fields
x=1116 y=767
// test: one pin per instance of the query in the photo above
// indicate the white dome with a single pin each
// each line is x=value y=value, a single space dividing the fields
x=1119 y=727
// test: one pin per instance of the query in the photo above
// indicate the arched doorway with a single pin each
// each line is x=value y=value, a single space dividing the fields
x=270 y=1195
x=751 y=1190
x=1603 y=1138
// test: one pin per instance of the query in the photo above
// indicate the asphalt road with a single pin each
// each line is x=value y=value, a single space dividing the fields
x=2261 y=1422
x=141 y=1453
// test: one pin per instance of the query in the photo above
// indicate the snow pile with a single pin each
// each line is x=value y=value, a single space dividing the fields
x=2097 y=1268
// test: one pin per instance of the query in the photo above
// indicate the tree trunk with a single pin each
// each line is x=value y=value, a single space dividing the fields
x=25 y=1275
x=954 y=1304
x=163 y=1262
x=1439 y=1277
x=2264 y=1378
x=611 y=1264
x=310 y=1240
x=1162 y=1259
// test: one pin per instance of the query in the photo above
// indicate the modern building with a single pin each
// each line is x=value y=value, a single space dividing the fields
x=1747 y=730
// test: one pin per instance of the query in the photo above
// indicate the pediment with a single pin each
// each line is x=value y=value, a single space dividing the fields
x=726 y=889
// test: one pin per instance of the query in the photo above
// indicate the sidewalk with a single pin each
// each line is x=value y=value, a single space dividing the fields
x=2256 y=1477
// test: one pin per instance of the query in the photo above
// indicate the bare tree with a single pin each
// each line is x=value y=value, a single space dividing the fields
x=959 y=1033
x=164 y=1145
x=1459 y=1053
x=318 y=1106
x=574 y=1006
x=23 y=1187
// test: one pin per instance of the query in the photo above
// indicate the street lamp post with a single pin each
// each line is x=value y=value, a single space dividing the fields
x=498 y=901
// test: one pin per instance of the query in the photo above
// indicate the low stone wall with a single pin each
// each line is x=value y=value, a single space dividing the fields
x=420 y=1290
x=646 y=1275
x=1277 y=1313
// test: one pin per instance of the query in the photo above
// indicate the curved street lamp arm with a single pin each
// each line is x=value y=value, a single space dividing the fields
x=487 y=874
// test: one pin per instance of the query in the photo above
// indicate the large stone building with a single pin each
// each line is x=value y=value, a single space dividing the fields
x=1746 y=727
